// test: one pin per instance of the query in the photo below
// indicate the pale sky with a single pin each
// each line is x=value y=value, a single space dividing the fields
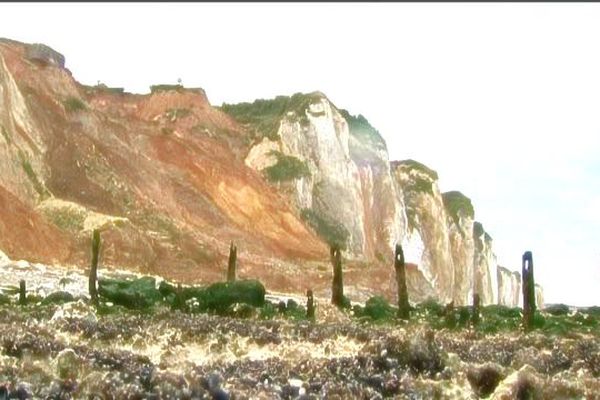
x=503 y=100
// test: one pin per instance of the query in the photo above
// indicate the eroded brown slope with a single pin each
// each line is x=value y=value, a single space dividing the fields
x=168 y=164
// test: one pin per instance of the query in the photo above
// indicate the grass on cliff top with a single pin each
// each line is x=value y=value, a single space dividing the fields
x=418 y=183
x=478 y=231
x=457 y=205
x=165 y=88
x=360 y=128
x=287 y=168
x=264 y=116
x=412 y=164
x=102 y=88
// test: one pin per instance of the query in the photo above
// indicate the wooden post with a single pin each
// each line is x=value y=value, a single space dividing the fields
x=22 y=292
x=310 y=305
x=528 y=291
x=337 y=286
x=232 y=265
x=93 y=278
x=476 y=304
x=400 y=267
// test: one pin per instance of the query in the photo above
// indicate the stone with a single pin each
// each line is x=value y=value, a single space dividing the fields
x=485 y=379
x=67 y=364
x=521 y=384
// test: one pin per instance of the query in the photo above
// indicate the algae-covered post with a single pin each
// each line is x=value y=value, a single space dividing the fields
x=337 y=286
x=22 y=292
x=528 y=290
x=93 y=279
x=449 y=317
x=476 y=305
x=400 y=267
x=310 y=305
x=231 y=267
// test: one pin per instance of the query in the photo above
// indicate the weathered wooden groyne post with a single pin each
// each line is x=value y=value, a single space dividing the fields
x=232 y=265
x=400 y=267
x=528 y=285
x=337 y=285
x=22 y=292
x=476 y=305
x=93 y=278
x=310 y=304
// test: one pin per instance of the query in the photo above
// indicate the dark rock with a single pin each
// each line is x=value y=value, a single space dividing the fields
x=485 y=379
x=220 y=394
x=146 y=377
x=289 y=391
x=58 y=298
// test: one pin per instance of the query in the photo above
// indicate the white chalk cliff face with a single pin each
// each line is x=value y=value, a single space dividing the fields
x=427 y=220
x=349 y=182
x=539 y=296
x=484 y=262
x=351 y=188
x=509 y=287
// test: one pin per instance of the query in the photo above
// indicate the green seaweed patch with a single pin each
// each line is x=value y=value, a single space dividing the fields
x=73 y=104
x=4 y=299
x=457 y=205
x=566 y=325
x=59 y=297
x=217 y=298
x=286 y=168
x=497 y=318
x=376 y=308
x=134 y=294
x=333 y=232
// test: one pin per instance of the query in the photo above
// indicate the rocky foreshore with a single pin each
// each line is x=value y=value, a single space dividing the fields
x=73 y=350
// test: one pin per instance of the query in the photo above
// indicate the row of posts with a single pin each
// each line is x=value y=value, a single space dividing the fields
x=528 y=287
x=337 y=286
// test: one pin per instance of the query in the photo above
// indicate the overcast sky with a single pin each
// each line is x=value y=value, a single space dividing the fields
x=503 y=100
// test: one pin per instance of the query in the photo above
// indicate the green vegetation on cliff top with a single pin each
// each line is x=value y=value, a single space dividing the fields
x=165 y=88
x=457 y=205
x=478 y=231
x=412 y=164
x=360 y=128
x=264 y=116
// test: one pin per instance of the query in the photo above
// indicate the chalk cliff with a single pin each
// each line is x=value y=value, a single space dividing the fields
x=171 y=180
